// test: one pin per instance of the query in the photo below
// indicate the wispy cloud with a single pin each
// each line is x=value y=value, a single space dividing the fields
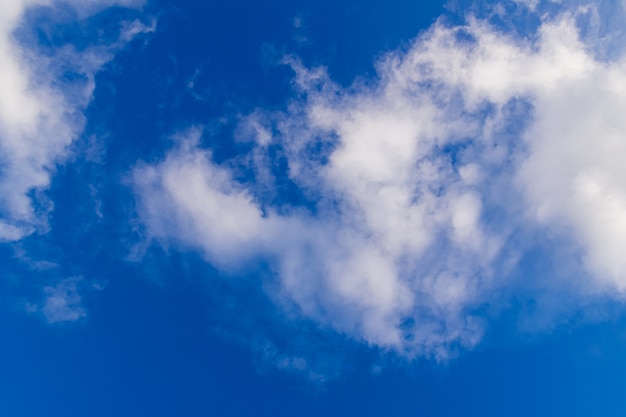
x=62 y=302
x=43 y=92
x=407 y=202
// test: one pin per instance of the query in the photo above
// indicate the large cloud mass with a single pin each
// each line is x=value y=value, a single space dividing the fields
x=394 y=210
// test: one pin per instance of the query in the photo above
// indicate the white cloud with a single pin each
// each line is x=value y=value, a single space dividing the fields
x=131 y=29
x=417 y=183
x=40 y=113
x=62 y=302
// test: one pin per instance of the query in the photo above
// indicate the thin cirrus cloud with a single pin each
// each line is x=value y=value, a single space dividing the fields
x=41 y=109
x=420 y=192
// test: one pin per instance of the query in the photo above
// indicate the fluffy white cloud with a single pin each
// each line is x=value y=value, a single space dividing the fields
x=40 y=110
x=416 y=183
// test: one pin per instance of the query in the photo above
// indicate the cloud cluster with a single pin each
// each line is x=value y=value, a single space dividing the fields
x=394 y=210
x=43 y=92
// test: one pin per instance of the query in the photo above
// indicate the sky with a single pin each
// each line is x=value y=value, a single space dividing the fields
x=305 y=208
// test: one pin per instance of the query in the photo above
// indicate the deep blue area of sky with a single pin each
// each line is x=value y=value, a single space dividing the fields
x=149 y=346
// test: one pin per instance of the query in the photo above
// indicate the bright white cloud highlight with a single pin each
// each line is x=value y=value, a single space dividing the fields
x=417 y=184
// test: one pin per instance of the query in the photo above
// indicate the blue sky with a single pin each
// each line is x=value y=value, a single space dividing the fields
x=236 y=208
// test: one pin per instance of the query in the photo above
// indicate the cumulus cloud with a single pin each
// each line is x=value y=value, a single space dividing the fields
x=42 y=96
x=407 y=201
